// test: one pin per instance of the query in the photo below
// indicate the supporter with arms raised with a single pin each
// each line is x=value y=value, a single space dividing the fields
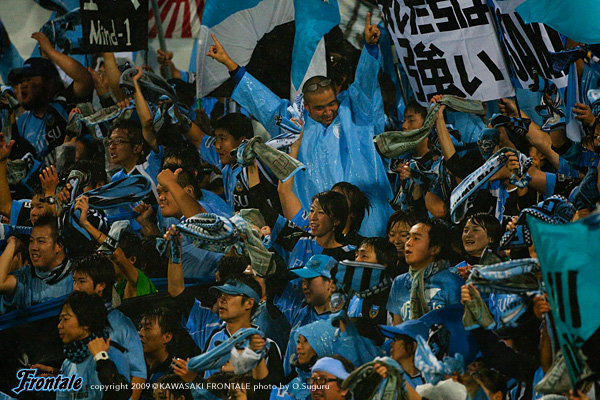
x=338 y=141
x=45 y=99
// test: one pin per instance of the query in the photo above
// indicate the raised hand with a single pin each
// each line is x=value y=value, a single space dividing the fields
x=372 y=32
x=5 y=148
x=43 y=41
x=217 y=52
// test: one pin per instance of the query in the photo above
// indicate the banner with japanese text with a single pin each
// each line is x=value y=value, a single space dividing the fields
x=527 y=45
x=448 y=47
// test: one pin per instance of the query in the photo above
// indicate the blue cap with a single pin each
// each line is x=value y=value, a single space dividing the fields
x=331 y=366
x=411 y=328
x=317 y=266
x=37 y=66
x=236 y=288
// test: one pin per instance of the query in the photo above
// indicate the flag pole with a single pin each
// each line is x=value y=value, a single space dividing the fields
x=166 y=72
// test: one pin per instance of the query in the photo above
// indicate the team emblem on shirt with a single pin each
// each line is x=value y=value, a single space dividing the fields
x=374 y=311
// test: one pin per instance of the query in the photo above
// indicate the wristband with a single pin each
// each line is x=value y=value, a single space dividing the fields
x=101 y=356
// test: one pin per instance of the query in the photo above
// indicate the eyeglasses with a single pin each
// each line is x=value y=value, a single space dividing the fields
x=311 y=88
x=116 y=142
x=319 y=380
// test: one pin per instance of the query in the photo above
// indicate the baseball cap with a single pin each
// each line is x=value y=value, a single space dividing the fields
x=235 y=287
x=411 y=328
x=319 y=265
x=36 y=66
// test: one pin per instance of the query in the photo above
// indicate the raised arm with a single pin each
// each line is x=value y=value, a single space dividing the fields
x=165 y=59
x=83 y=84
x=255 y=97
x=290 y=204
x=5 y=196
x=186 y=203
x=144 y=111
x=125 y=266
x=8 y=283
x=448 y=149
x=176 y=281
x=114 y=75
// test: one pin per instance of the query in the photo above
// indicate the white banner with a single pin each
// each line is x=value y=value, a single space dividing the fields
x=527 y=45
x=448 y=47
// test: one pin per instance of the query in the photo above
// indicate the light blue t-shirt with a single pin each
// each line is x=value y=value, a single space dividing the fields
x=31 y=288
x=441 y=290
x=124 y=332
x=87 y=370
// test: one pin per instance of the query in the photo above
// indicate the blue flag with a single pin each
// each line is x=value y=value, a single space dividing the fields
x=9 y=56
x=576 y=19
x=568 y=257
x=314 y=18
x=217 y=11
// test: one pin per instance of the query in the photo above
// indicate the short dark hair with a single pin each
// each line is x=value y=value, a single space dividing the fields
x=187 y=178
x=166 y=319
x=38 y=190
x=439 y=235
x=100 y=270
x=490 y=225
x=186 y=154
x=385 y=251
x=131 y=245
x=236 y=124
x=400 y=217
x=232 y=265
x=336 y=207
x=134 y=130
x=175 y=386
x=52 y=222
x=410 y=344
x=492 y=380
x=90 y=312
x=254 y=285
x=360 y=204
x=413 y=105
x=93 y=169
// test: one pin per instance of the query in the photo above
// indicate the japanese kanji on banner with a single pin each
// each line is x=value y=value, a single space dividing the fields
x=527 y=45
x=449 y=48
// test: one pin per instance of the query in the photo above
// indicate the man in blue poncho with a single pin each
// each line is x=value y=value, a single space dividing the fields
x=337 y=144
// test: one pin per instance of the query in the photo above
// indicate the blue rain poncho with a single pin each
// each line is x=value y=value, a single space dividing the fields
x=342 y=151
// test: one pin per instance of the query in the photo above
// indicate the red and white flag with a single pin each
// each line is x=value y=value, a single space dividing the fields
x=180 y=18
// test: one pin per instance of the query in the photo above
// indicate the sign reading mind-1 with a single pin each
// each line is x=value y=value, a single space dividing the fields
x=114 y=25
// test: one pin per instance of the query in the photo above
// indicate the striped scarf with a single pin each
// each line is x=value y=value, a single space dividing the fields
x=281 y=164
x=219 y=234
x=418 y=302
x=365 y=383
x=464 y=194
x=218 y=356
x=554 y=210
x=395 y=143
x=514 y=276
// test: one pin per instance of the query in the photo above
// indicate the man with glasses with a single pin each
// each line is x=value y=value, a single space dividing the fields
x=328 y=373
x=337 y=145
